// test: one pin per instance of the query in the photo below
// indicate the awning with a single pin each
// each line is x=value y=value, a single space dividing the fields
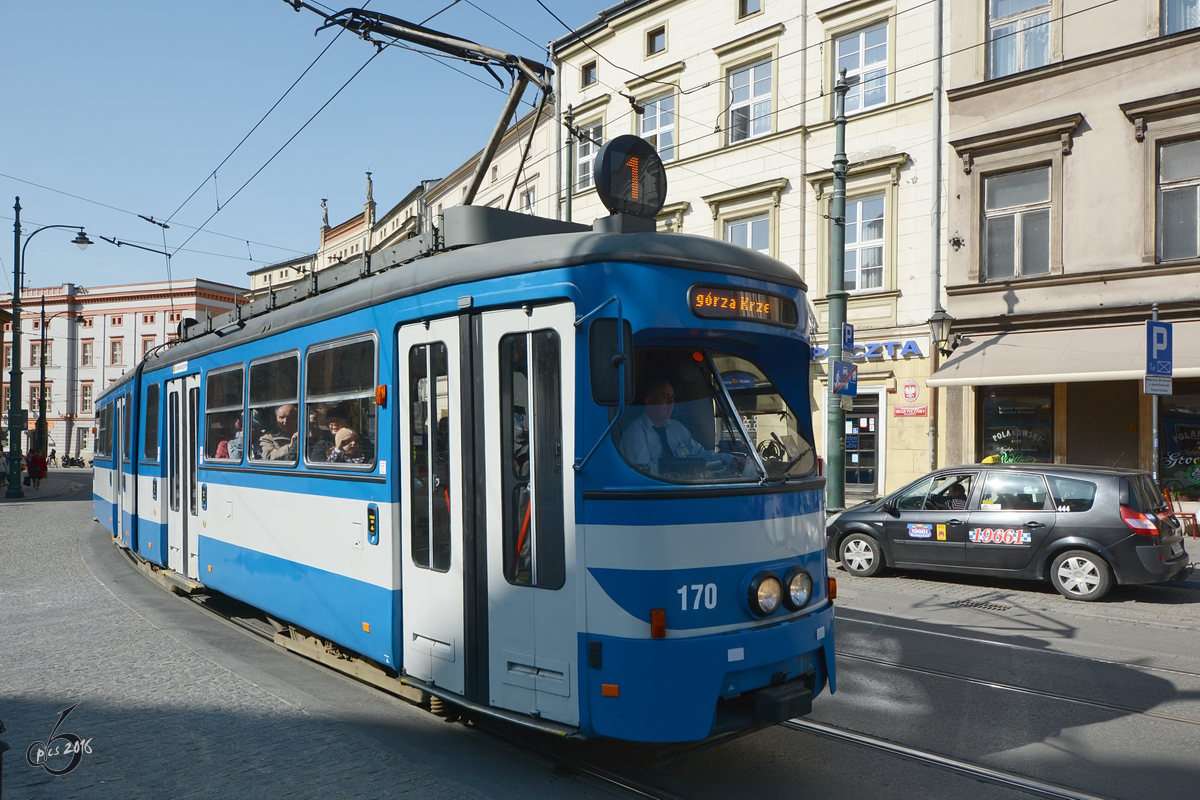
x=1065 y=356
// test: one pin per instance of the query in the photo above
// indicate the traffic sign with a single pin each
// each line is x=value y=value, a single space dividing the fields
x=847 y=342
x=845 y=379
x=1156 y=384
x=1159 y=338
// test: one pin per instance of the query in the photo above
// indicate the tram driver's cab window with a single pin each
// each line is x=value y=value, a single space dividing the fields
x=702 y=416
x=340 y=423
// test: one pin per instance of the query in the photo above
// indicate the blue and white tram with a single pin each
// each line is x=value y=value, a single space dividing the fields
x=566 y=477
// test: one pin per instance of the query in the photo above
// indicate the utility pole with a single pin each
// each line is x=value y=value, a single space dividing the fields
x=42 y=434
x=569 y=119
x=835 y=431
x=14 y=383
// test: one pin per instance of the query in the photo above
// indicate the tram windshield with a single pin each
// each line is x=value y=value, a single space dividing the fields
x=706 y=417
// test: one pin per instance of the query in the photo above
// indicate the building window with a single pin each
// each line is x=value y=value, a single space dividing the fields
x=38 y=350
x=1180 y=15
x=863 y=54
x=752 y=232
x=147 y=319
x=1017 y=224
x=587 y=74
x=495 y=173
x=85 y=398
x=147 y=345
x=529 y=201
x=750 y=101
x=1018 y=36
x=86 y=358
x=590 y=139
x=115 y=355
x=656 y=40
x=89 y=322
x=35 y=397
x=1178 y=201
x=748 y=7
x=658 y=125
x=8 y=356
x=864 y=243
x=175 y=316
x=1017 y=423
x=117 y=321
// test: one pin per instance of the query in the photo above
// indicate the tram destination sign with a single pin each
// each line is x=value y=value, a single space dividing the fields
x=726 y=302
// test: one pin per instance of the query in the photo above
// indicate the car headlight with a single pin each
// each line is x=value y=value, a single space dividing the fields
x=766 y=594
x=798 y=589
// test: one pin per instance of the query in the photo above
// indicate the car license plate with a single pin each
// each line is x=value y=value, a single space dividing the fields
x=1177 y=548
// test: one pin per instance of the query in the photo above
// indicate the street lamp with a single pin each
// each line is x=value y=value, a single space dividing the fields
x=940 y=325
x=16 y=416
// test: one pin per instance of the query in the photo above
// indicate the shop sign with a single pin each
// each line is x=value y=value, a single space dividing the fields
x=868 y=351
x=911 y=391
x=910 y=411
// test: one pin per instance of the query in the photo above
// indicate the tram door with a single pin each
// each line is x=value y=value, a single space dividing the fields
x=183 y=530
x=119 y=478
x=527 y=398
x=431 y=502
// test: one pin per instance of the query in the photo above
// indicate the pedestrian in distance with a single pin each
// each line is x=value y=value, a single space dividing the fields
x=37 y=468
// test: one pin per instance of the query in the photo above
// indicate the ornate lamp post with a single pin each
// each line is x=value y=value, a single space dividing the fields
x=16 y=416
x=42 y=432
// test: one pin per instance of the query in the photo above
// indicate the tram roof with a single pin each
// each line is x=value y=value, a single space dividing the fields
x=488 y=243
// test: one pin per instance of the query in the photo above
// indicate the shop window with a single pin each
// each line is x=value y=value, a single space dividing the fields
x=1179 y=438
x=1018 y=36
x=862 y=444
x=1017 y=224
x=1017 y=425
x=864 y=56
x=1179 y=200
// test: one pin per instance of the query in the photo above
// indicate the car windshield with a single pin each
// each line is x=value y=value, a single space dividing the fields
x=702 y=417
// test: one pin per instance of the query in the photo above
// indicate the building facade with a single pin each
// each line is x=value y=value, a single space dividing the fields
x=1073 y=214
x=90 y=337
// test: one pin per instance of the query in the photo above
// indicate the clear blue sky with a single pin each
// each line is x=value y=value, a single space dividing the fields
x=124 y=107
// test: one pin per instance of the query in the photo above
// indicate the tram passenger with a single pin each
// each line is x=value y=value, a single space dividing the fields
x=336 y=418
x=236 y=443
x=320 y=441
x=348 y=448
x=654 y=436
x=281 y=446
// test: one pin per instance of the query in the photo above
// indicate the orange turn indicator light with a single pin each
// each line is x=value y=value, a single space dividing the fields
x=366 y=627
x=658 y=623
x=610 y=690
x=381 y=396
x=833 y=588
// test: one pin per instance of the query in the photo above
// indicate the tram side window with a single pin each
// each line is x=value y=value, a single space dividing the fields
x=339 y=393
x=429 y=396
x=125 y=429
x=103 y=435
x=531 y=455
x=150 y=450
x=274 y=432
x=223 y=434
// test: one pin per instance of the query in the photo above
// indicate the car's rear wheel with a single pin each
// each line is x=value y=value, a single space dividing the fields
x=1081 y=575
x=860 y=555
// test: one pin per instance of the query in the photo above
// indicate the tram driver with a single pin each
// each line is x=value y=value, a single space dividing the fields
x=654 y=438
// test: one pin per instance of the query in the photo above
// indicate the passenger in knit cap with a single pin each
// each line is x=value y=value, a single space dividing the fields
x=347 y=448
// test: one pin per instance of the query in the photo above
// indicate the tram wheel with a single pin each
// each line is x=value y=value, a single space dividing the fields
x=861 y=555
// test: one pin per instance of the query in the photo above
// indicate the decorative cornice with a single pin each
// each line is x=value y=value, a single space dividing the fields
x=750 y=40
x=1191 y=268
x=893 y=164
x=774 y=188
x=673 y=215
x=591 y=106
x=846 y=9
x=1062 y=128
x=1138 y=111
x=656 y=78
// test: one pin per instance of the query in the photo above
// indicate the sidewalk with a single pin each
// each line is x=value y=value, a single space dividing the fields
x=55 y=484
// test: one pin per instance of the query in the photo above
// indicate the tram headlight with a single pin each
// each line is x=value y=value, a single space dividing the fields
x=765 y=595
x=798 y=589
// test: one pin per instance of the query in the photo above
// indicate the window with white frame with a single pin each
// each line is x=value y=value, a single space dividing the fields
x=750 y=101
x=863 y=54
x=115 y=352
x=658 y=125
x=753 y=232
x=35 y=397
x=8 y=356
x=86 y=358
x=748 y=7
x=529 y=201
x=590 y=139
x=864 y=243
x=1179 y=200
x=1018 y=36
x=1180 y=15
x=1016 y=224
x=85 y=398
